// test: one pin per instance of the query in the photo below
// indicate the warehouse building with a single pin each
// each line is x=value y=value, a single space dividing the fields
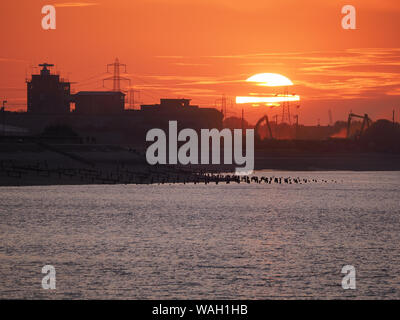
x=99 y=102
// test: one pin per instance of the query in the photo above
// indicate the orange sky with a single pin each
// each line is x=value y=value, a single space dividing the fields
x=201 y=49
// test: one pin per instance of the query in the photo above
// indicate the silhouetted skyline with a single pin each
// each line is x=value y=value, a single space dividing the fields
x=205 y=49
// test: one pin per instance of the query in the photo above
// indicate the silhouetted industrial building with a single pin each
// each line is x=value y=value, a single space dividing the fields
x=102 y=114
x=47 y=93
x=190 y=116
x=99 y=102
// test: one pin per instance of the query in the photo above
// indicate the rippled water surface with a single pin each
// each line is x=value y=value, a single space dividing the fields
x=236 y=241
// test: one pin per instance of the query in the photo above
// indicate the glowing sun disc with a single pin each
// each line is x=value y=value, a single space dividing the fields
x=270 y=80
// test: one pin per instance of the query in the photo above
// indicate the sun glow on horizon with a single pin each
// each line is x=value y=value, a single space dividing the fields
x=269 y=100
x=270 y=80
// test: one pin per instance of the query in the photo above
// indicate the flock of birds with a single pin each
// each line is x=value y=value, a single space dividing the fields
x=223 y=178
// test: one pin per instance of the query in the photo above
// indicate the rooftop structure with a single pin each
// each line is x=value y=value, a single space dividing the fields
x=169 y=105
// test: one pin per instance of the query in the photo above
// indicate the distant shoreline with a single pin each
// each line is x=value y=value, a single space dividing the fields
x=329 y=162
x=31 y=164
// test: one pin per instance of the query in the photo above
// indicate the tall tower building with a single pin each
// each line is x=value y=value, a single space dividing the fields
x=47 y=93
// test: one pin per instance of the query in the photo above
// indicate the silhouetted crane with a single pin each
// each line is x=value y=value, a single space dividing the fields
x=366 y=123
x=258 y=124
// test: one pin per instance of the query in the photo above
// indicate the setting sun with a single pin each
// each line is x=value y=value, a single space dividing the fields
x=270 y=80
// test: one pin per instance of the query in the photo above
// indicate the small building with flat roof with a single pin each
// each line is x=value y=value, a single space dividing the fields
x=99 y=102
